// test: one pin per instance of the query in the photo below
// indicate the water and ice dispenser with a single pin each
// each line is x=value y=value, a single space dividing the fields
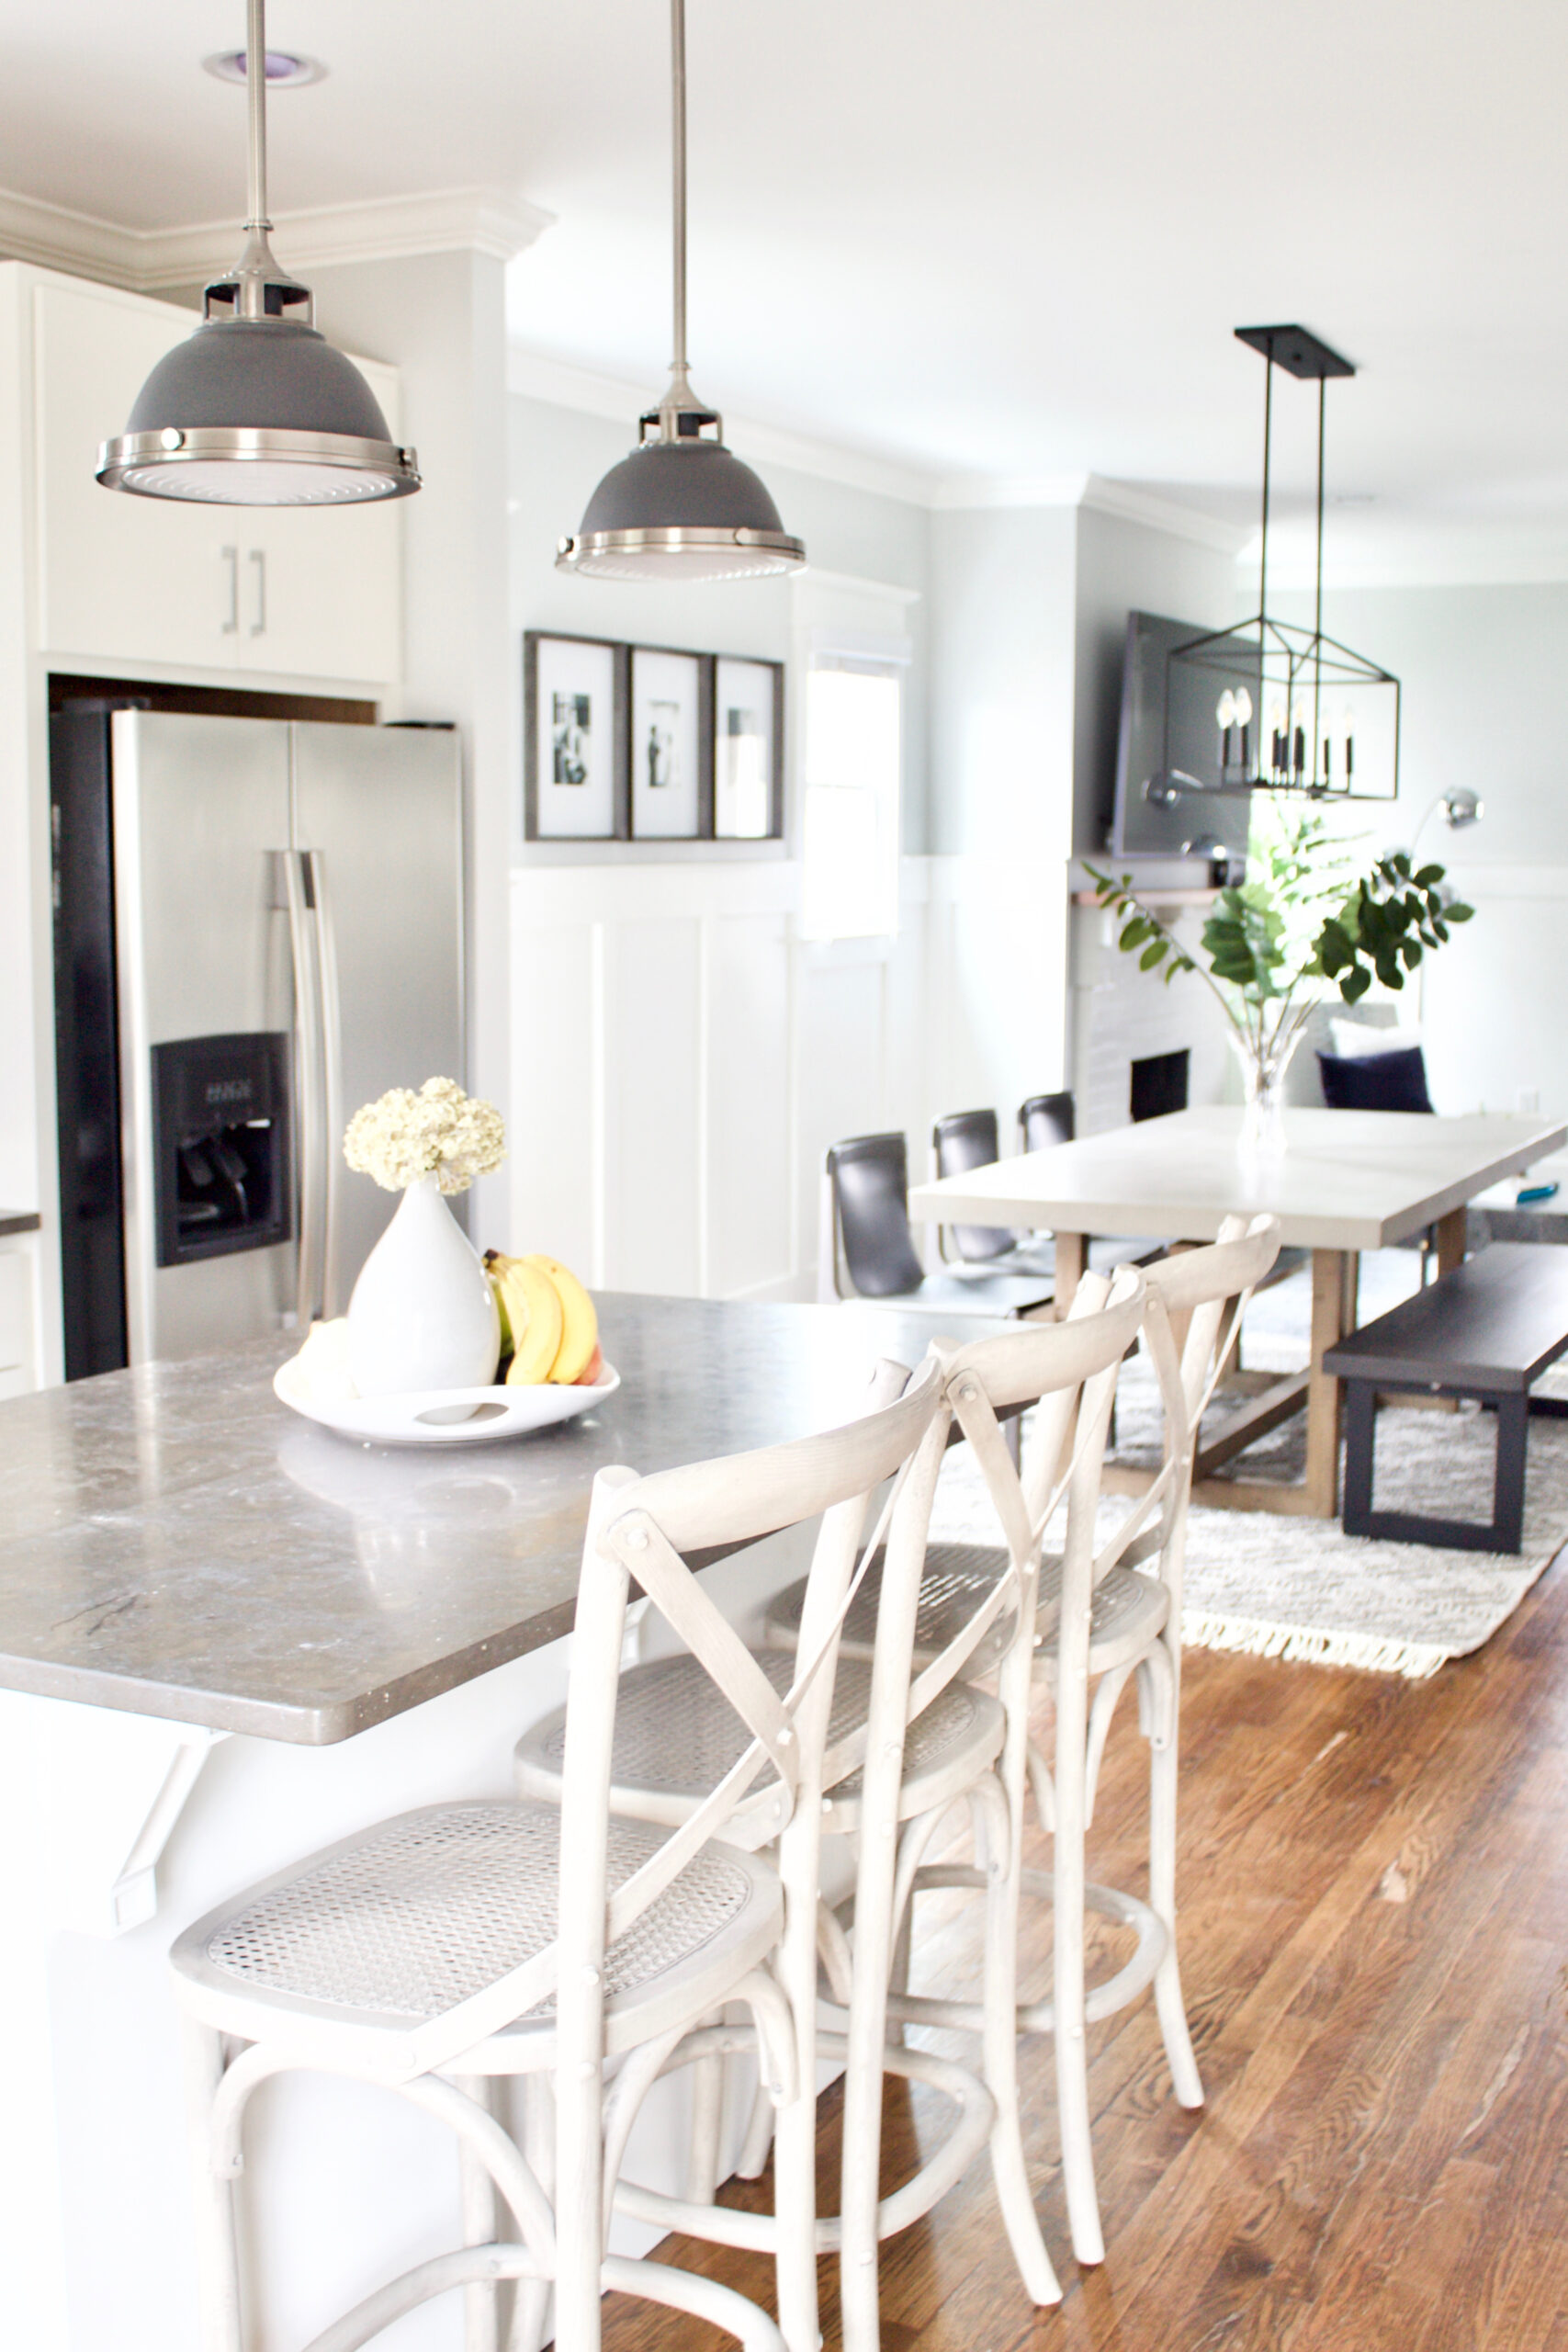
x=220 y=1164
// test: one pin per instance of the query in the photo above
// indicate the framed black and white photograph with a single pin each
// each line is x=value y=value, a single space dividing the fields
x=747 y=796
x=574 y=734
x=670 y=744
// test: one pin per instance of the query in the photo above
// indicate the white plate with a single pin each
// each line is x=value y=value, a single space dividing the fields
x=446 y=1415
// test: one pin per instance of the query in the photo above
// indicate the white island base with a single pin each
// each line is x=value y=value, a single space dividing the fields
x=345 y=2184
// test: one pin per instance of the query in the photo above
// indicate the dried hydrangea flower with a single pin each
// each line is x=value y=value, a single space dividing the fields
x=439 y=1132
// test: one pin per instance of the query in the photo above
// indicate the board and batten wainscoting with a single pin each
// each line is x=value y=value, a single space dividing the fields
x=682 y=1058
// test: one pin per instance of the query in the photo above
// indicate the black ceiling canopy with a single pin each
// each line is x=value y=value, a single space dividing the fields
x=1296 y=350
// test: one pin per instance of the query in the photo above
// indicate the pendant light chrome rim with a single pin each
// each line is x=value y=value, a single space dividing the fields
x=130 y=454
x=574 y=553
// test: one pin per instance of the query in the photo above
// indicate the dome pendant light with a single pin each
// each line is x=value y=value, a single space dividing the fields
x=681 y=507
x=256 y=408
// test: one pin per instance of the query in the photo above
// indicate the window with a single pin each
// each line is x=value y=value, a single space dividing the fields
x=851 y=817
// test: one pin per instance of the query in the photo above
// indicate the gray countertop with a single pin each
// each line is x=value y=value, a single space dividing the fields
x=175 y=1541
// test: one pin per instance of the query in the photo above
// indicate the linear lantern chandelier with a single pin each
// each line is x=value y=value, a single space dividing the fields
x=1270 y=706
x=256 y=408
x=681 y=506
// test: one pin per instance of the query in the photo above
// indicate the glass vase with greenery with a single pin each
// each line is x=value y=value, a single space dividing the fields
x=1310 y=918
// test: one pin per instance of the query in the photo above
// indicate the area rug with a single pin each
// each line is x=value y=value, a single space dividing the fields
x=1297 y=1587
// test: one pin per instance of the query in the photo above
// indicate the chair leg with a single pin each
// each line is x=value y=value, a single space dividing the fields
x=1072 y=2050
x=1185 y=2079
x=531 y=2303
x=707 y=2122
x=1009 y=2168
x=482 y=2316
x=759 y=2137
x=216 y=2245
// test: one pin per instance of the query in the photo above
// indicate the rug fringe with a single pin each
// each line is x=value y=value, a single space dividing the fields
x=1374 y=1653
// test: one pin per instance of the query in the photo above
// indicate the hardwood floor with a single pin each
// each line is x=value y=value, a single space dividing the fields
x=1374 y=1940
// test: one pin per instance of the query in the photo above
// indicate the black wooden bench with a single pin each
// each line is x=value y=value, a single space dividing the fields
x=1486 y=1330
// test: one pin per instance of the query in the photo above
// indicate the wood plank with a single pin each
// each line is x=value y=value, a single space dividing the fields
x=1375 y=1926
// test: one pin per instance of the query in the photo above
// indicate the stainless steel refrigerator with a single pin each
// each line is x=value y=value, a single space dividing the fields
x=258 y=927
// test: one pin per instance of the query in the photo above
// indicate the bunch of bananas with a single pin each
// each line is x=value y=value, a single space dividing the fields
x=548 y=1326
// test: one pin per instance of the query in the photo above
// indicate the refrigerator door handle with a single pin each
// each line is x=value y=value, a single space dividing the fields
x=310 y=1081
x=330 y=1018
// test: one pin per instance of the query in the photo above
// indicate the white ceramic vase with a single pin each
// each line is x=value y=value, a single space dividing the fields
x=422 y=1315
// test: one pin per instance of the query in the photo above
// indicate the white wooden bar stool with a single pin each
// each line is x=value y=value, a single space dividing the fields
x=673 y=1745
x=675 y=1737
x=464 y=1942
x=1130 y=1626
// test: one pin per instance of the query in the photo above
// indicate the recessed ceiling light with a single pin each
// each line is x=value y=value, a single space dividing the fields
x=284 y=70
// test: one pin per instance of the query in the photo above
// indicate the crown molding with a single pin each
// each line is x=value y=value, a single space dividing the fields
x=1126 y=499
x=398 y=228
x=974 y=493
x=533 y=377
x=1133 y=504
x=1444 y=560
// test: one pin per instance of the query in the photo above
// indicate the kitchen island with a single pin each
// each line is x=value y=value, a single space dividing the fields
x=228 y=1637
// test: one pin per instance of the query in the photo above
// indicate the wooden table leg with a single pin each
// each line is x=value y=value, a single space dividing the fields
x=1450 y=1231
x=1072 y=1257
x=1334 y=1283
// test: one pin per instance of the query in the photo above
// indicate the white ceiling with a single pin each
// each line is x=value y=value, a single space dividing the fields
x=1007 y=238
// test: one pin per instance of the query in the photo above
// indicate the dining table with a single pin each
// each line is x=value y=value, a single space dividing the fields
x=229 y=1636
x=1340 y=1182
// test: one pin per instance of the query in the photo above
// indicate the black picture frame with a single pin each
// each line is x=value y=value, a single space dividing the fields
x=615 y=809
x=613 y=792
x=773 y=786
x=676 y=661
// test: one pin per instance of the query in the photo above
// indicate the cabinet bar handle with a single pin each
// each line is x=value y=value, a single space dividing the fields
x=258 y=626
x=231 y=555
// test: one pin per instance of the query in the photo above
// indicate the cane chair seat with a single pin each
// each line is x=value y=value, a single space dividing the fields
x=399 y=1925
x=676 y=1736
x=1130 y=1609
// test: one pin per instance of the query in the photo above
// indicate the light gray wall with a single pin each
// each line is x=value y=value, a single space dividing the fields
x=1125 y=567
x=1481 y=670
x=558 y=455
x=1003 y=676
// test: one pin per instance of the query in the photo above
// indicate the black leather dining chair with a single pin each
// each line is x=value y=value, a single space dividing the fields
x=966 y=1139
x=1047 y=1119
x=866 y=1250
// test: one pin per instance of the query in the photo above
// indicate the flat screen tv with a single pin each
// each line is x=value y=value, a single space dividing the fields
x=1169 y=802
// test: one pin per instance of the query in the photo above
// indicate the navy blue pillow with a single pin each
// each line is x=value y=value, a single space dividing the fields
x=1396 y=1081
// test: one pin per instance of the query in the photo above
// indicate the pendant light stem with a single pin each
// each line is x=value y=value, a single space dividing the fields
x=677 y=121
x=1267 y=436
x=1322 y=418
x=255 y=107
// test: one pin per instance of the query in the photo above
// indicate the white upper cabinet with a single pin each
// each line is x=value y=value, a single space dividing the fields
x=296 y=593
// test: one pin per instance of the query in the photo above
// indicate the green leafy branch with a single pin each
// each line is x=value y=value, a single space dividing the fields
x=1264 y=951
x=1393 y=919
